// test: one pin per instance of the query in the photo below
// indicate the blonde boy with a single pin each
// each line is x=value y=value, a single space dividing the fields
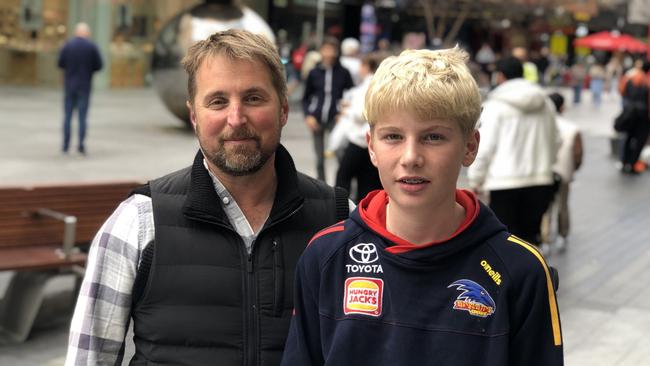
x=422 y=273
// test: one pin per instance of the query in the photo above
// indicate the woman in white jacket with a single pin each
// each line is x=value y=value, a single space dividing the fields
x=519 y=143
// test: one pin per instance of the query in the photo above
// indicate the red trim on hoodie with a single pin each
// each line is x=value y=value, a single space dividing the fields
x=372 y=210
x=332 y=229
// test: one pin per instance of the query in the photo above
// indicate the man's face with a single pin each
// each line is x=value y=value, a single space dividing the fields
x=328 y=54
x=419 y=161
x=237 y=115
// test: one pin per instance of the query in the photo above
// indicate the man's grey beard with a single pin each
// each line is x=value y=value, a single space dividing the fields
x=239 y=161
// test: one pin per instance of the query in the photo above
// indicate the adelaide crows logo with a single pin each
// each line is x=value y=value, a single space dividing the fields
x=473 y=298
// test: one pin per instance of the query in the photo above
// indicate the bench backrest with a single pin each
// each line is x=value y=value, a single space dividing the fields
x=91 y=203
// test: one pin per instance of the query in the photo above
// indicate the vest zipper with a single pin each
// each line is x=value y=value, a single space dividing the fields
x=252 y=328
x=278 y=279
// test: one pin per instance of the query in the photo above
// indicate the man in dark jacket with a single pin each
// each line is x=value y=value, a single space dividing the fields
x=324 y=89
x=79 y=59
x=202 y=260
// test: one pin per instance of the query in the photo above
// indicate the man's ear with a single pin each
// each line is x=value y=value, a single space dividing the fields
x=471 y=148
x=284 y=112
x=371 y=148
x=192 y=114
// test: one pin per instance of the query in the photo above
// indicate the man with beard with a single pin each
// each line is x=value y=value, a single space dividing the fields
x=202 y=260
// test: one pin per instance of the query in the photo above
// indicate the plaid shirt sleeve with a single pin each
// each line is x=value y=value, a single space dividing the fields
x=102 y=314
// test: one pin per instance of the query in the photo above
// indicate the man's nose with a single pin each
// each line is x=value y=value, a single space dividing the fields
x=236 y=114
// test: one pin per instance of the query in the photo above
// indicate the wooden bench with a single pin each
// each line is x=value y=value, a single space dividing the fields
x=44 y=231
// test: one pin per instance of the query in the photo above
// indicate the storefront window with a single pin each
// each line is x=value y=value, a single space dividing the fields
x=29 y=29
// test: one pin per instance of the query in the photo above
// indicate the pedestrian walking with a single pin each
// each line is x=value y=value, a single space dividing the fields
x=324 y=89
x=422 y=273
x=569 y=160
x=350 y=58
x=597 y=82
x=519 y=143
x=635 y=98
x=201 y=261
x=578 y=74
x=80 y=59
x=355 y=162
x=531 y=73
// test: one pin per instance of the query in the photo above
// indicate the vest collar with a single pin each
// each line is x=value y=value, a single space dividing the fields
x=203 y=203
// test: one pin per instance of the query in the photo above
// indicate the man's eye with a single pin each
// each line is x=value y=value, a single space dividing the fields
x=254 y=99
x=217 y=103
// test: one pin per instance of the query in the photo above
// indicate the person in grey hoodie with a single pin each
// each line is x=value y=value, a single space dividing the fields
x=519 y=143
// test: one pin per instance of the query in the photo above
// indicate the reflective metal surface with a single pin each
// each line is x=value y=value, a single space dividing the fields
x=188 y=27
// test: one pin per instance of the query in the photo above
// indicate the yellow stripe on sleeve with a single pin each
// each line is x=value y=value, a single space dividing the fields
x=555 y=318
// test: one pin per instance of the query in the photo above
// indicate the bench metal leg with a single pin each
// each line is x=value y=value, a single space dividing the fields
x=19 y=307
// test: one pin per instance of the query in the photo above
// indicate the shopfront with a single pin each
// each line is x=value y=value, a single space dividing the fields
x=33 y=31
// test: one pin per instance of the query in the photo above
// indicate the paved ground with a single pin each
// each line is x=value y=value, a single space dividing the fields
x=604 y=297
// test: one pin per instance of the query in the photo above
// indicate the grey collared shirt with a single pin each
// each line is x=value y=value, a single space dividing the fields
x=234 y=213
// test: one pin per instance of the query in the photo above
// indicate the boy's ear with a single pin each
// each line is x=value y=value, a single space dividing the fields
x=471 y=148
x=371 y=148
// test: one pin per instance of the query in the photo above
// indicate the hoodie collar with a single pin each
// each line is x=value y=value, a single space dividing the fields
x=372 y=211
x=203 y=203
x=521 y=94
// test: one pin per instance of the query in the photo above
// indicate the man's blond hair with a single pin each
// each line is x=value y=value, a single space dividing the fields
x=236 y=44
x=430 y=84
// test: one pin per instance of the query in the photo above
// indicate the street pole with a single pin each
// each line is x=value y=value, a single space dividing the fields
x=320 y=21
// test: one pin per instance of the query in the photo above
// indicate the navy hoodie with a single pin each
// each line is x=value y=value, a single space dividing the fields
x=366 y=297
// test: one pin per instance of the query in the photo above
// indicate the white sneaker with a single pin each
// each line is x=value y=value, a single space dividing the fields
x=560 y=244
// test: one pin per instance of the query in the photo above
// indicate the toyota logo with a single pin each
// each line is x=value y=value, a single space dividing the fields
x=364 y=253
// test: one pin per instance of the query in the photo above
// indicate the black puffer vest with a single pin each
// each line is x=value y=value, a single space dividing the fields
x=205 y=300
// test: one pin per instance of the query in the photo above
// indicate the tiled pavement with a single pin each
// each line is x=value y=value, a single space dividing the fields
x=604 y=297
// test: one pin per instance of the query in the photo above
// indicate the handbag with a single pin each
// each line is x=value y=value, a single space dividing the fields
x=624 y=122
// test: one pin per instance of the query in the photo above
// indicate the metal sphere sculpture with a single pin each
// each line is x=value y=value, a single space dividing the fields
x=168 y=77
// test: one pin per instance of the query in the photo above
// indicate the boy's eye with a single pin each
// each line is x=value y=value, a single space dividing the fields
x=433 y=137
x=392 y=137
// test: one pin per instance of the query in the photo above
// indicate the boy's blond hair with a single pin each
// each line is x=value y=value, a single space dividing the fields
x=236 y=44
x=430 y=84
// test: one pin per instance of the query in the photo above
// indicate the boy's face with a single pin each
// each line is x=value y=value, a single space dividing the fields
x=419 y=161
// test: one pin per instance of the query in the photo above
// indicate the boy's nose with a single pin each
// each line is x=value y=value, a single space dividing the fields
x=411 y=155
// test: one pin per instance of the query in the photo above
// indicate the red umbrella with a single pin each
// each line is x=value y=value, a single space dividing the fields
x=611 y=41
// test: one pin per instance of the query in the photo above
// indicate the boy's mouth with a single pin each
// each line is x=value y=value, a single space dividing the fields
x=413 y=180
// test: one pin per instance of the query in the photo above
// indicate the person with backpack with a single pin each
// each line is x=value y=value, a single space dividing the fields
x=635 y=98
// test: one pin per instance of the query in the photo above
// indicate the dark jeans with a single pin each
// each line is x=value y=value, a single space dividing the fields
x=75 y=99
x=356 y=164
x=319 y=148
x=635 y=141
x=521 y=209
x=577 y=91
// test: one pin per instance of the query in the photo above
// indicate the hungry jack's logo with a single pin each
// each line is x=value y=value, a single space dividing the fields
x=473 y=298
x=363 y=295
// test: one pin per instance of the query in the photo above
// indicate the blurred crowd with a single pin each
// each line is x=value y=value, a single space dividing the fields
x=333 y=79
